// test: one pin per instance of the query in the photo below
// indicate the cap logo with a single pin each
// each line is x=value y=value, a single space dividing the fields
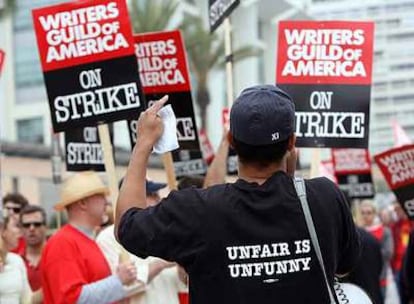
x=275 y=136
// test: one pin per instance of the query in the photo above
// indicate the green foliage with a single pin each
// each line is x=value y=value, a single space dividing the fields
x=151 y=15
x=9 y=6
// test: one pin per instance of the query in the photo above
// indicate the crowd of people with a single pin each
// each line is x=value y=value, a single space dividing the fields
x=225 y=243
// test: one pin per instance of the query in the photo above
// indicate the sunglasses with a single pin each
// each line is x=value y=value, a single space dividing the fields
x=367 y=212
x=14 y=209
x=34 y=224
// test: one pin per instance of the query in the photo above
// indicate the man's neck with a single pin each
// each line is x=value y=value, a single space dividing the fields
x=81 y=223
x=258 y=174
x=35 y=250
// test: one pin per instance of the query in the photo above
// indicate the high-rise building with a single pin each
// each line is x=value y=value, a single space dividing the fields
x=392 y=94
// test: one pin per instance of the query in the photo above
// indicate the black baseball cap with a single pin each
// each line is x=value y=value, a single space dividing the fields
x=150 y=186
x=153 y=187
x=262 y=115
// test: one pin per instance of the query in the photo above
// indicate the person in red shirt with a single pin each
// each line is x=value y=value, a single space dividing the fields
x=13 y=203
x=33 y=223
x=382 y=234
x=401 y=229
x=74 y=269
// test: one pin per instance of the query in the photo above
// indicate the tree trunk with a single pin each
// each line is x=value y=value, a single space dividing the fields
x=203 y=100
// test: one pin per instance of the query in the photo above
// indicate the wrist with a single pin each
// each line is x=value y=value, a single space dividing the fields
x=143 y=148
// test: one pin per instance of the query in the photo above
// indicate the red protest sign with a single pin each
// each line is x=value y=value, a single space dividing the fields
x=206 y=147
x=89 y=66
x=162 y=62
x=329 y=52
x=352 y=169
x=326 y=67
x=397 y=166
x=351 y=161
x=2 y=56
x=82 y=32
x=226 y=118
x=163 y=70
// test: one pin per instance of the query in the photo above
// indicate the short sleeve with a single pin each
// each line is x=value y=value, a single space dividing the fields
x=171 y=230
x=351 y=244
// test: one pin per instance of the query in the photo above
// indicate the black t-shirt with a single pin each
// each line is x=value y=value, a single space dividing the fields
x=248 y=243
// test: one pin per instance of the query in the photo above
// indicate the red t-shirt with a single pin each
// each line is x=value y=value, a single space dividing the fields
x=33 y=274
x=401 y=234
x=70 y=260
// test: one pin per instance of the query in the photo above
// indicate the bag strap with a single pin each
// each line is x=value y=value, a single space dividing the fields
x=301 y=192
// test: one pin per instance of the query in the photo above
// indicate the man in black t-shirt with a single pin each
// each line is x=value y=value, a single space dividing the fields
x=244 y=242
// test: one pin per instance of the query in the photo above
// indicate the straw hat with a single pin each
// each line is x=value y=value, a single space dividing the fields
x=79 y=186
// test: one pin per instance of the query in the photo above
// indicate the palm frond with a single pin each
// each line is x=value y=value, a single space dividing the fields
x=151 y=15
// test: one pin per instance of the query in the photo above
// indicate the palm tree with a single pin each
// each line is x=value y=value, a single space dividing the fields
x=205 y=50
x=151 y=15
x=9 y=6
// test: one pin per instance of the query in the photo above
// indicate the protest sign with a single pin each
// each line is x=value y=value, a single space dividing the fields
x=352 y=169
x=163 y=70
x=188 y=162
x=397 y=166
x=84 y=150
x=207 y=150
x=89 y=66
x=218 y=10
x=232 y=160
x=326 y=67
x=2 y=56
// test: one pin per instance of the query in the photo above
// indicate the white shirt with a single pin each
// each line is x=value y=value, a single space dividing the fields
x=164 y=288
x=14 y=285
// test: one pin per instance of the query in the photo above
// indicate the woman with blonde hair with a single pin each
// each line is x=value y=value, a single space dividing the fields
x=14 y=285
x=371 y=223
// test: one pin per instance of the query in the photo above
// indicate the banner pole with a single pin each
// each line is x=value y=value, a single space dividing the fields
x=109 y=162
x=111 y=173
x=229 y=61
x=56 y=159
x=315 y=163
x=168 y=163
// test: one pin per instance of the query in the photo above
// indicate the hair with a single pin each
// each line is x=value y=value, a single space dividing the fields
x=32 y=209
x=3 y=250
x=370 y=204
x=189 y=181
x=262 y=155
x=16 y=198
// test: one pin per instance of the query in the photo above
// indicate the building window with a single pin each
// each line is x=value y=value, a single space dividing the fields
x=30 y=130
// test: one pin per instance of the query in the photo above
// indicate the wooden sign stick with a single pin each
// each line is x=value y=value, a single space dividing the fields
x=109 y=162
x=111 y=173
x=168 y=163
x=229 y=61
x=315 y=163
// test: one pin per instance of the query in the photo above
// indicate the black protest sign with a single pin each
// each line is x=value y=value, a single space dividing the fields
x=83 y=150
x=218 y=10
x=188 y=162
x=352 y=168
x=88 y=62
x=397 y=166
x=163 y=70
x=326 y=67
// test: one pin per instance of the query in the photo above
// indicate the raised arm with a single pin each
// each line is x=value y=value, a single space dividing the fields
x=133 y=192
x=216 y=173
